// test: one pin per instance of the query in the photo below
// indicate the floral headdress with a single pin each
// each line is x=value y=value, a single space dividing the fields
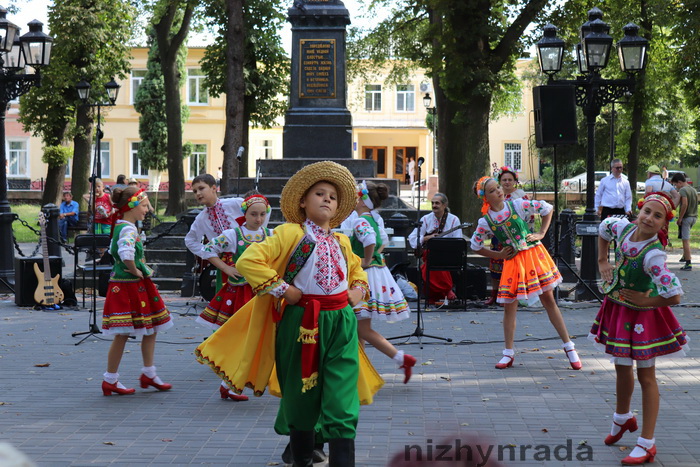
x=667 y=203
x=255 y=199
x=481 y=193
x=363 y=193
x=506 y=169
x=134 y=201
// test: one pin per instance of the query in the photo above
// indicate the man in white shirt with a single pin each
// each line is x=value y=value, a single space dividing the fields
x=614 y=195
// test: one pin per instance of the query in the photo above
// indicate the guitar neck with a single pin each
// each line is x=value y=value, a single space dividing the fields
x=45 y=254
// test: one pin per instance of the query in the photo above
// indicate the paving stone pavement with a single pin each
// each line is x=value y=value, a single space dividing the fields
x=52 y=408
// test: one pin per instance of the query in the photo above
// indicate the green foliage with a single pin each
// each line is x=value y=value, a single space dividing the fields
x=266 y=66
x=150 y=103
x=56 y=156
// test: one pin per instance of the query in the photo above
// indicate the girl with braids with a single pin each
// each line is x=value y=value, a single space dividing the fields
x=133 y=305
x=386 y=301
x=236 y=292
x=528 y=271
x=635 y=323
x=509 y=183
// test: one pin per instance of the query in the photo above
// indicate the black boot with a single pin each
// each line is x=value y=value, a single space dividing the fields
x=302 y=443
x=341 y=452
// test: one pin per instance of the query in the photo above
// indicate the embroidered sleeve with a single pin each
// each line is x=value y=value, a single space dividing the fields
x=665 y=281
x=215 y=247
x=363 y=286
x=256 y=265
x=127 y=243
x=528 y=208
x=364 y=232
x=357 y=277
x=275 y=286
x=481 y=234
x=611 y=228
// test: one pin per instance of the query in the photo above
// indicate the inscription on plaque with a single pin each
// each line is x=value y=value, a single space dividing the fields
x=317 y=69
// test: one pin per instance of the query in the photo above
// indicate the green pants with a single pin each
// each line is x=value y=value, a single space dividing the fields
x=334 y=401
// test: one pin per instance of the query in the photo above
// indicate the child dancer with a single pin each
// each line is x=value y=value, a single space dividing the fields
x=314 y=346
x=103 y=209
x=133 y=305
x=635 y=323
x=508 y=179
x=237 y=291
x=386 y=300
x=528 y=271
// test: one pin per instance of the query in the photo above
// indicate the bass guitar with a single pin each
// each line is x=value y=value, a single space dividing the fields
x=47 y=293
x=464 y=225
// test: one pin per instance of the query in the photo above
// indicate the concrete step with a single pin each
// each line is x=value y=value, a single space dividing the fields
x=165 y=256
x=167 y=242
x=168 y=269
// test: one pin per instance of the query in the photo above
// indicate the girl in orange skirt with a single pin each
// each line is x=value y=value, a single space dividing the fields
x=528 y=271
x=236 y=292
x=133 y=305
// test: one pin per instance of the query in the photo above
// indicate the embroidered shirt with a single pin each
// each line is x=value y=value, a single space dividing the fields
x=349 y=224
x=430 y=224
x=523 y=207
x=654 y=262
x=128 y=236
x=211 y=222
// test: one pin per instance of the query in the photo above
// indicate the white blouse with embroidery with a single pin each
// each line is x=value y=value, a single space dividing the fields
x=126 y=242
x=226 y=242
x=525 y=208
x=654 y=264
x=364 y=232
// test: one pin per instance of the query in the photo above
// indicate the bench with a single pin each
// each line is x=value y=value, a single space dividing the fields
x=81 y=225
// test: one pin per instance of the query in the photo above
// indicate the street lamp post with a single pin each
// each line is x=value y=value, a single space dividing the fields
x=32 y=50
x=593 y=92
x=427 y=101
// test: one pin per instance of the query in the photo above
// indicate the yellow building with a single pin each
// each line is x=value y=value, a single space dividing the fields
x=389 y=126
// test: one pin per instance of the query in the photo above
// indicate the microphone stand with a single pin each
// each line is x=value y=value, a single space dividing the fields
x=418 y=332
x=239 y=156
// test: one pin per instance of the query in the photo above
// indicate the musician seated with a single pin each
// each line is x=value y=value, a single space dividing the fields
x=432 y=226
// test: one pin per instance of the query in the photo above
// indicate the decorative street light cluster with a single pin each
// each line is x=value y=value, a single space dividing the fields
x=427 y=102
x=18 y=54
x=593 y=92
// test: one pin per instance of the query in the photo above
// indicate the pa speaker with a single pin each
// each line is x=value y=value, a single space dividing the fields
x=555 y=115
x=25 y=278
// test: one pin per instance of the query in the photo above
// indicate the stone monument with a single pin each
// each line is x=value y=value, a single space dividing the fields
x=318 y=124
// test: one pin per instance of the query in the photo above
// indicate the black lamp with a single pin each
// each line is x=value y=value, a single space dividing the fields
x=550 y=50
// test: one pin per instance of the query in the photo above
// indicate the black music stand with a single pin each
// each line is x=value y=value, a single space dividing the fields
x=445 y=254
x=418 y=332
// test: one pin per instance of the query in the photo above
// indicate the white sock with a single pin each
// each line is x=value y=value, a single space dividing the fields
x=398 y=358
x=111 y=378
x=647 y=443
x=620 y=419
x=571 y=354
x=149 y=371
x=224 y=385
x=506 y=354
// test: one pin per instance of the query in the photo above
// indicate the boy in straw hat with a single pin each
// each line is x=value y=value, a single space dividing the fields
x=306 y=279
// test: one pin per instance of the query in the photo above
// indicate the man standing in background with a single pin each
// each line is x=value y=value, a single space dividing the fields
x=687 y=215
x=614 y=195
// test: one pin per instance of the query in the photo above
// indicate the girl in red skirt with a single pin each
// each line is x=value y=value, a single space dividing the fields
x=236 y=292
x=635 y=323
x=133 y=305
x=528 y=271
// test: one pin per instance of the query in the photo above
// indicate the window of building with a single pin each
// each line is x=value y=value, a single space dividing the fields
x=405 y=98
x=136 y=80
x=137 y=168
x=265 y=149
x=196 y=90
x=513 y=156
x=198 y=160
x=17 y=158
x=373 y=97
x=104 y=159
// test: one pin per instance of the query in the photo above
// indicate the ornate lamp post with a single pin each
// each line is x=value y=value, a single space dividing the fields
x=593 y=92
x=17 y=55
x=427 y=101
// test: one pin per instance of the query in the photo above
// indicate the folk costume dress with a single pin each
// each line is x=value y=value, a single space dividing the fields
x=209 y=224
x=236 y=292
x=622 y=329
x=133 y=305
x=386 y=302
x=496 y=265
x=266 y=330
x=531 y=272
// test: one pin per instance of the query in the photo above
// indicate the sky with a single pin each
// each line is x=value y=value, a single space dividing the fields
x=38 y=9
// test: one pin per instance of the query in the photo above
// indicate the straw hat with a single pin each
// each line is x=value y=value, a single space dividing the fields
x=308 y=176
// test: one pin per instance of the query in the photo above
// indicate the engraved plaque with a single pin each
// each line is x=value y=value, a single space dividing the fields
x=317 y=69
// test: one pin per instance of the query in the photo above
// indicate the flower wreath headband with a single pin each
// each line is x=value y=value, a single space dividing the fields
x=363 y=193
x=662 y=198
x=134 y=201
x=481 y=192
x=506 y=169
x=255 y=199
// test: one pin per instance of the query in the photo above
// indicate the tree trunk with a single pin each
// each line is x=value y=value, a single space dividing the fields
x=53 y=189
x=235 y=95
x=82 y=156
x=173 y=107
